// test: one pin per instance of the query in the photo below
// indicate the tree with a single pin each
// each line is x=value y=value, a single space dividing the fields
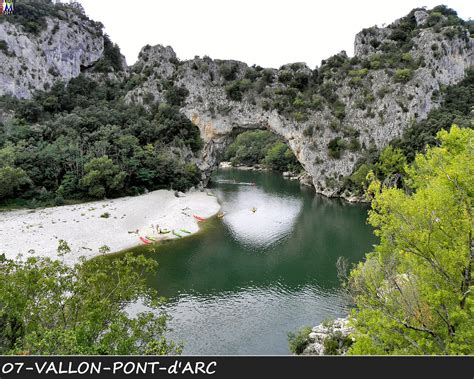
x=47 y=307
x=12 y=179
x=391 y=161
x=250 y=147
x=102 y=177
x=280 y=157
x=413 y=293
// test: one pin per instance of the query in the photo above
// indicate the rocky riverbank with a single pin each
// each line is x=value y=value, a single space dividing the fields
x=330 y=338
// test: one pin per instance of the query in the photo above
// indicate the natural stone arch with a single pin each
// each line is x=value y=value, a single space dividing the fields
x=219 y=133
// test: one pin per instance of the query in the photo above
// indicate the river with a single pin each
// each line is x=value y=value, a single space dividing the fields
x=246 y=280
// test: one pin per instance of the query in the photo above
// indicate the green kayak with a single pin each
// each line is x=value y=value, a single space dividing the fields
x=185 y=231
x=177 y=234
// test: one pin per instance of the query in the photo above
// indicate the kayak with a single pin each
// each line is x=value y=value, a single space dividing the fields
x=177 y=234
x=152 y=239
x=165 y=231
x=199 y=218
x=185 y=231
x=145 y=241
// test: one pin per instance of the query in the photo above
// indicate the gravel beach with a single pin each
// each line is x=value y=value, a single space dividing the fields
x=117 y=223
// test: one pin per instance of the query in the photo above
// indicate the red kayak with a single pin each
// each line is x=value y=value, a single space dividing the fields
x=145 y=241
x=199 y=218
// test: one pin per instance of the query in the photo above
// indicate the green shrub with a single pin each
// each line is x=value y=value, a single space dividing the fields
x=336 y=343
x=339 y=109
x=236 y=89
x=358 y=73
x=357 y=182
x=403 y=75
x=308 y=131
x=111 y=59
x=336 y=147
x=102 y=177
x=298 y=341
x=81 y=308
x=285 y=76
x=229 y=70
x=354 y=144
x=176 y=95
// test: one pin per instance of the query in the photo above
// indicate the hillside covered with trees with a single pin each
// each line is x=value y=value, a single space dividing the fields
x=84 y=141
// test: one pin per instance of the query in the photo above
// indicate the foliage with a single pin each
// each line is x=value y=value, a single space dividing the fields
x=48 y=307
x=261 y=147
x=229 y=70
x=357 y=182
x=237 y=88
x=298 y=341
x=12 y=179
x=336 y=343
x=4 y=47
x=102 y=177
x=280 y=157
x=112 y=58
x=413 y=293
x=31 y=15
x=391 y=161
x=176 y=95
x=336 y=147
x=455 y=108
x=403 y=75
x=58 y=133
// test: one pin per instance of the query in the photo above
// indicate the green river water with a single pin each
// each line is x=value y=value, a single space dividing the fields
x=244 y=281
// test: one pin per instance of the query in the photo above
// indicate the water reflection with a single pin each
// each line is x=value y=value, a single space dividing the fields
x=248 y=279
x=259 y=220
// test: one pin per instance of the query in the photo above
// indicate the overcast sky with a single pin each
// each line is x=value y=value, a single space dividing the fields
x=269 y=33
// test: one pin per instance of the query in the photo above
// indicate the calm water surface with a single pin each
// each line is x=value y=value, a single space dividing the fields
x=242 y=283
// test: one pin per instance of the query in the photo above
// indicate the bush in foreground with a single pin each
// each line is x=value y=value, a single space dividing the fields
x=49 y=308
x=298 y=341
x=413 y=293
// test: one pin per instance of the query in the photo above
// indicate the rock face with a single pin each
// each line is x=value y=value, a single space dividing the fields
x=376 y=108
x=28 y=62
x=339 y=327
x=330 y=116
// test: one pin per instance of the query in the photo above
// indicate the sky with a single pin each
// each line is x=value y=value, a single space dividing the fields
x=268 y=33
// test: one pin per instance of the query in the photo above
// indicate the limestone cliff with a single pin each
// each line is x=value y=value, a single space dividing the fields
x=43 y=43
x=328 y=116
